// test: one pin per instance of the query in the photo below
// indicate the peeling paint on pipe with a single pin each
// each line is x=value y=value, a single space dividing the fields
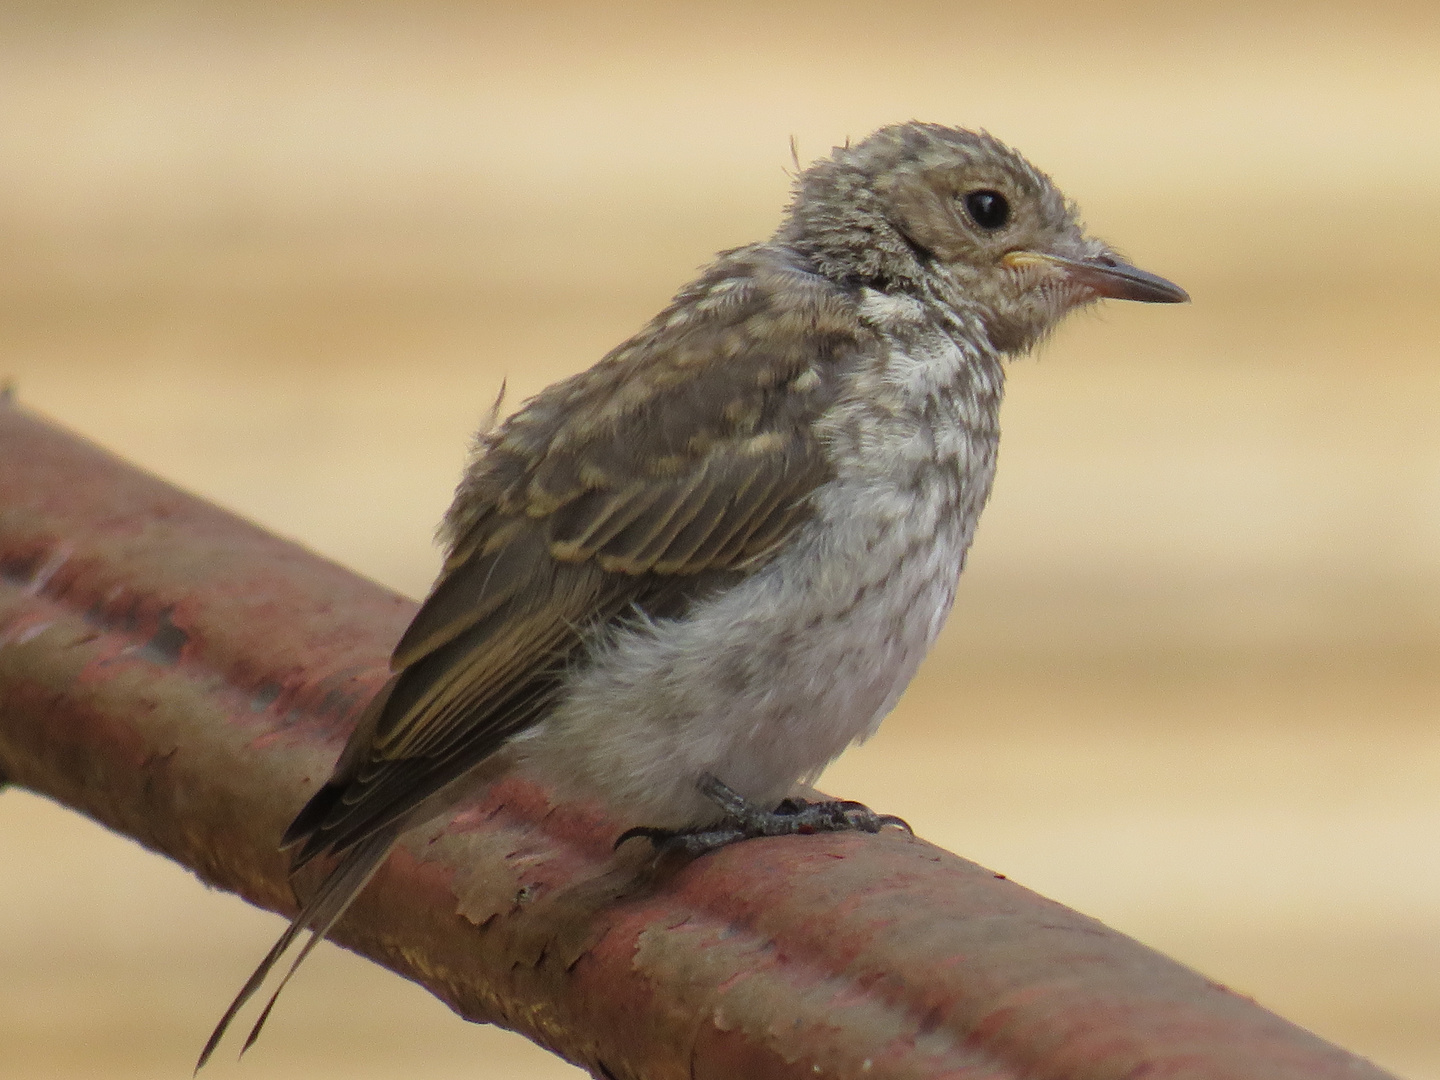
x=186 y=678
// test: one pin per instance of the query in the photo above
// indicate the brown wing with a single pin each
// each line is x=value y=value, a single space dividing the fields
x=684 y=458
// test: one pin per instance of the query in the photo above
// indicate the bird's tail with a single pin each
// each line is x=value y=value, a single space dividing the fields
x=318 y=915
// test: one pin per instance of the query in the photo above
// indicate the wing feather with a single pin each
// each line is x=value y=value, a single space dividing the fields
x=685 y=511
x=470 y=592
x=736 y=519
x=616 y=512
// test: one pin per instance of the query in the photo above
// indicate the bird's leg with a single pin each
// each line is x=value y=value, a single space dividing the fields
x=742 y=821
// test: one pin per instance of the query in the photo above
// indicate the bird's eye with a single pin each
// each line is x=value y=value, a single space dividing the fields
x=989 y=209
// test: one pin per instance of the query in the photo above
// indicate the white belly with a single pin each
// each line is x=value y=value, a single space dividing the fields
x=767 y=683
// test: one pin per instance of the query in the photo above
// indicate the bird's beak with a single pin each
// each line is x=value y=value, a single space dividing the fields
x=1104 y=276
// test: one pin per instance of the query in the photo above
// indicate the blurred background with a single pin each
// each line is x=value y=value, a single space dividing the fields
x=284 y=253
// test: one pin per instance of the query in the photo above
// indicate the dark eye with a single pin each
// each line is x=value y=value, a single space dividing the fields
x=989 y=209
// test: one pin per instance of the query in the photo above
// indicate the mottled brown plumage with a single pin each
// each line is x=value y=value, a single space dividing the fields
x=693 y=574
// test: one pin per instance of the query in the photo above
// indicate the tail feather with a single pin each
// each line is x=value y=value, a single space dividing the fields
x=318 y=915
x=312 y=815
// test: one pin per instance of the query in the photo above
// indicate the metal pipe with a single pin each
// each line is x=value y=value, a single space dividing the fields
x=186 y=678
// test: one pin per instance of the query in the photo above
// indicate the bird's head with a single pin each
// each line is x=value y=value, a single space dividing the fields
x=920 y=207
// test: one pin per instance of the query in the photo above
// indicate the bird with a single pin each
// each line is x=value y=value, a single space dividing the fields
x=686 y=579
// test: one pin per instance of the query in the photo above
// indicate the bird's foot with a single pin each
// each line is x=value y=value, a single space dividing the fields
x=743 y=821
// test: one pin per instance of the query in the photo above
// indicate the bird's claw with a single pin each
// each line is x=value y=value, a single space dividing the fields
x=792 y=817
x=838 y=815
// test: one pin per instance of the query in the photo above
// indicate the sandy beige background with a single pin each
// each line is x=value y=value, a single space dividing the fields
x=283 y=254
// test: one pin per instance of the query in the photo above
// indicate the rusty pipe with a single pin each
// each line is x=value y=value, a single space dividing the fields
x=186 y=678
